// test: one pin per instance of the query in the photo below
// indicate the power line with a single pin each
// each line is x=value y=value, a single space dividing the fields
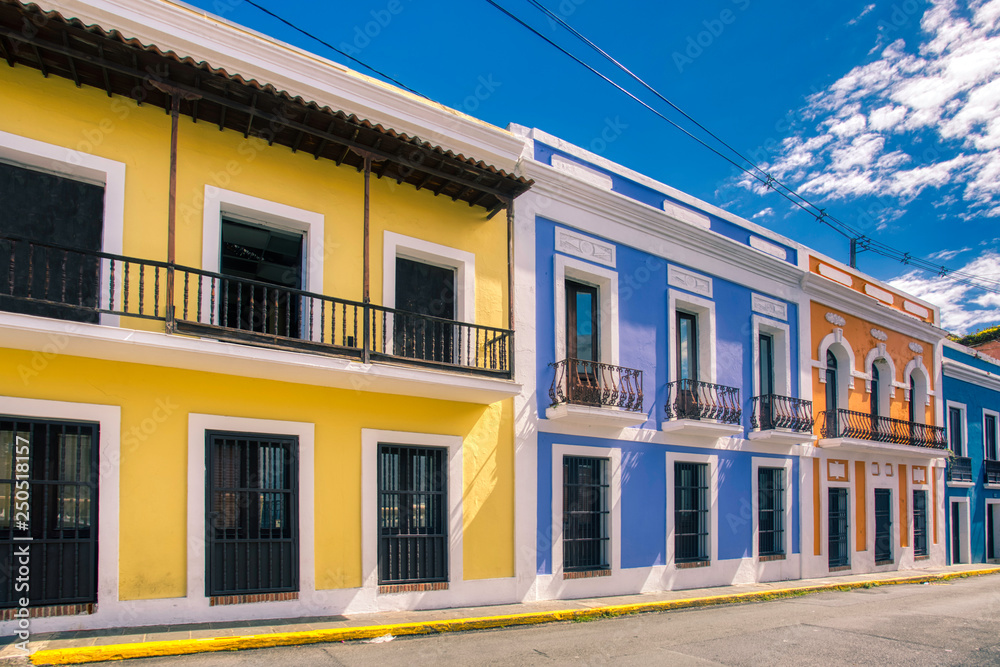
x=334 y=48
x=754 y=170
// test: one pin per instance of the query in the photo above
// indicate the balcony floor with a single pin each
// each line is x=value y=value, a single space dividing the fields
x=878 y=447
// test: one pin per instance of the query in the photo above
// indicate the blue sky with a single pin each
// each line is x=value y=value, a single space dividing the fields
x=885 y=113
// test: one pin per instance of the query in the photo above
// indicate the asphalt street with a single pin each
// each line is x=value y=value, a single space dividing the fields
x=954 y=623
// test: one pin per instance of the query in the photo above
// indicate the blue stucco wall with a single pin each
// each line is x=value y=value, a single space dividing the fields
x=644 y=500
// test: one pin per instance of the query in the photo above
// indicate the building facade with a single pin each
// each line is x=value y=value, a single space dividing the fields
x=661 y=434
x=256 y=344
x=972 y=404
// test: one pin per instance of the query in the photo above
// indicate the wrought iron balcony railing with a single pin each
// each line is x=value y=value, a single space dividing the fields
x=580 y=382
x=772 y=411
x=960 y=469
x=864 y=426
x=71 y=284
x=991 y=471
x=692 y=399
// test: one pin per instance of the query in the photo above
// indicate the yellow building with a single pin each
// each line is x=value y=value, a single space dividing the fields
x=872 y=493
x=256 y=345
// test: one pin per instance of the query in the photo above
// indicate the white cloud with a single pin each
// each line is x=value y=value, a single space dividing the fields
x=946 y=255
x=864 y=12
x=763 y=213
x=963 y=307
x=917 y=117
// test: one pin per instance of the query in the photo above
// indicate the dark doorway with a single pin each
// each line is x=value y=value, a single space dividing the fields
x=883 y=526
x=425 y=328
x=839 y=542
x=956 y=534
x=252 y=252
x=48 y=209
x=57 y=511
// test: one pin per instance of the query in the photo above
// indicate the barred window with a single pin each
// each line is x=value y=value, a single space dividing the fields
x=691 y=512
x=919 y=523
x=771 y=511
x=883 y=526
x=586 y=513
x=837 y=517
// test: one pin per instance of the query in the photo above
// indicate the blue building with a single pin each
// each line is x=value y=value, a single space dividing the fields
x=972 y=394
x=660 y=433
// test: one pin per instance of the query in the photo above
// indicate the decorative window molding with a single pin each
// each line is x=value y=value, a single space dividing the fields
x=922 y=380
x=916 y=348
x=705 y=310
x=845 y=354
x=779 y=331
x=464 y=263
x=198 y=424
x=996 y=429
x=689 y=280
x=585 y=247
x=963 y=426
x=615 y=532
x=606 y=282
x=879 y=353
x=835 y=319
x=713 y=502
x=879 y=335
x=370 y=440
x=919 y=475
x=838 y=470
x=770 y=307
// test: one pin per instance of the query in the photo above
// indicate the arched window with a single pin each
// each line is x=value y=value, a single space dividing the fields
x=876 y=388
x=913 y=399
x=831 y=381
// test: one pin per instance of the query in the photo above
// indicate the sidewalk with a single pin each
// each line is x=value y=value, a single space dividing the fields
x=121 y=643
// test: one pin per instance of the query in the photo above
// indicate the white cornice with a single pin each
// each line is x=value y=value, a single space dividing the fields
x=186 y=30
x=571 y=149
x=972 y=352
x=860 y=305
x=695 y=247
x=959 y=371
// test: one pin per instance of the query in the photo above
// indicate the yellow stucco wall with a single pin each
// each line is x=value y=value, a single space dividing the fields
x=153 y=475
x=154 y=467
x=857 y=333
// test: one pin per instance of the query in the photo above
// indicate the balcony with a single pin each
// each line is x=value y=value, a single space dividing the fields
x=781 y=420
x=991 y=472
x=960 y=470
x=96 y=288
x=594 y=393
x=703 y=409
x=860 y=431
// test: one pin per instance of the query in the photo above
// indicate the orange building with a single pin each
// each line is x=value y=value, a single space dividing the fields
x=875 y=480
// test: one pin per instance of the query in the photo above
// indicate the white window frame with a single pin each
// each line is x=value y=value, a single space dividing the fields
x=713 y=504
x=779 y=332
x=824 y=513
x=990 y=504
x=108 y=484
x=756 y=463
x=704 y=309
x=606 y=282
x=996 y=431
x=915 y=369
x=965 y=425
x=198 y=425
x=889 y=483
x=463 y=262
x=614 y=454
x=964 y=530
x=79 y=166
x=370 y=441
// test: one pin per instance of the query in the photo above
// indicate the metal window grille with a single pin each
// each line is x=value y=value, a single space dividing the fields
x=251 y=514
x=586 y=513
x=691 y=519
x=55 y=505
x=413 y=516
x=919 y=523
x=883 y=526
x=839 y=544
x=770 y=511
x=990 y=435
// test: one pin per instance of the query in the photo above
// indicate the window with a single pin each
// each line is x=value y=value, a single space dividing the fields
x=582 y=325
x=837 y=524
x=874 y=396
x=770 y=511
x=252 y=530
x=691 y=512
x=253 y=252
x=919 y=523
x=956 y=440
x=990 y=436
x=912 y=414
x=766 y=370
x=428 y=293
x=883 y=526
x=831 y=381
x=44 y=208
x=412 y=514
x=59 y=505
x=586 y=513
x=687 y=346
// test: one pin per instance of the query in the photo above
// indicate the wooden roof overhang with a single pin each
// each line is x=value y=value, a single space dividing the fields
x=105 y=59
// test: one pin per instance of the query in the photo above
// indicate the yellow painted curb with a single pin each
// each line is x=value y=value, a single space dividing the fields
x=84 y=654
